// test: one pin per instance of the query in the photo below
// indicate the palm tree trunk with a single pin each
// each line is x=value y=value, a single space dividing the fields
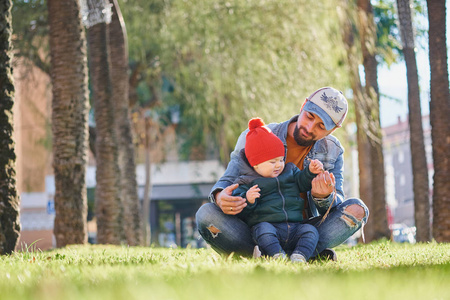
x=147 y=230
x=9 y=200
x=378 y=228
x=439 y=118
x=417 y=144
x=69 y=120
x=108 y=210
x=127 y=165
x=359 y=97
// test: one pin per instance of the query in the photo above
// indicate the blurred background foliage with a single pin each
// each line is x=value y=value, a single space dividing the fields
x=229 y=61
x=220 y=63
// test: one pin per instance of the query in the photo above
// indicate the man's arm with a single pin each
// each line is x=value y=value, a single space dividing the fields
x=232 y=171
x=221 y=192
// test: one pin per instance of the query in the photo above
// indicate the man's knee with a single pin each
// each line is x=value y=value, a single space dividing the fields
x=355 y=210
x=205 y=211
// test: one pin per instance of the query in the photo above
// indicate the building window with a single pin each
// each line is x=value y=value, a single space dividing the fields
x=402 y=180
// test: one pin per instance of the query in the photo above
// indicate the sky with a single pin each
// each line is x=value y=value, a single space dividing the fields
x=392 y=82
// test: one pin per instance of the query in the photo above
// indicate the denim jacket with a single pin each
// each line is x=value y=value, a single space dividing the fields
x=328 y=150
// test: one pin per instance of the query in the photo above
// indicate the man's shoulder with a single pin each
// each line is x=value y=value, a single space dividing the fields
x=329 y=141
x=332 y=139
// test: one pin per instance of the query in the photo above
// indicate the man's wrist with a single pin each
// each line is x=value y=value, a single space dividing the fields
x=321 y=198
x=212 y=195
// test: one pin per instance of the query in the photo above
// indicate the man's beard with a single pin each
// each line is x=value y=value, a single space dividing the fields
x=301 y=141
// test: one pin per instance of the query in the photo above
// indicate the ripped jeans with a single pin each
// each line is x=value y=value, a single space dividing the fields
x=227 y=234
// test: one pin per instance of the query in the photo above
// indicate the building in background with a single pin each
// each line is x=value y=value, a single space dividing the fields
x=178 y=190
x=32 y=135
x=399 y=175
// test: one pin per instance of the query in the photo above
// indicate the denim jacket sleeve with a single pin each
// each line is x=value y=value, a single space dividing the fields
x=330 y=152
x=232 y=171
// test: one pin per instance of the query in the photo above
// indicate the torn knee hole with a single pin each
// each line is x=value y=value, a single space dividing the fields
x=214 y=230
x=355 y=211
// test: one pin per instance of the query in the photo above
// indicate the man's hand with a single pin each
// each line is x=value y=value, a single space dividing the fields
x=323 y=185
x=230 y=205
x=253 y=193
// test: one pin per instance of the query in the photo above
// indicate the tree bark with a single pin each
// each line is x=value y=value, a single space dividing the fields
x=439 y=118
x=378 y=228
x=359 y=97
x=108 y=206
x=69 y=120
x=127 y=165
x=417 y=144
x=147 y=230
x=9 y=199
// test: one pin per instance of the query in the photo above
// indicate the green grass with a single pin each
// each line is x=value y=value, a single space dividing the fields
x=381 y=270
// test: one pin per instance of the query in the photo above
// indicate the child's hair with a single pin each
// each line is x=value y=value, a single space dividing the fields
x=261 y=144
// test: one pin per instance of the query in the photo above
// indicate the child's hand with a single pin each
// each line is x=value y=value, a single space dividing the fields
x=253 y=193
x=316 y=166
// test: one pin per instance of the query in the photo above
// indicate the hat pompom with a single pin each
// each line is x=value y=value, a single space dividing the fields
x=261 y=144
x=255 y=123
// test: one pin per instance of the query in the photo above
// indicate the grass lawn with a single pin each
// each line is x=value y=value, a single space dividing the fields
x=381 y=270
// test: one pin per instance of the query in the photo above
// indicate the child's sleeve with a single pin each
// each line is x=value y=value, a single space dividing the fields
x=241 y=191
x=303 y=179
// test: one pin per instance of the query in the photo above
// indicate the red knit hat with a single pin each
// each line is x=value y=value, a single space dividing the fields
x=261 y=144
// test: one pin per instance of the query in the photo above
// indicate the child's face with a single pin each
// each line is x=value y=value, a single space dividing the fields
x=270 y=168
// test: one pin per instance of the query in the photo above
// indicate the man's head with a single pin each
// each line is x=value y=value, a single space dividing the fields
x=263 y=149
x=328 y=104
x=321 y=113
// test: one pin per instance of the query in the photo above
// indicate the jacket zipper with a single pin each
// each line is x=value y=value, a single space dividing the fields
x=284 y=207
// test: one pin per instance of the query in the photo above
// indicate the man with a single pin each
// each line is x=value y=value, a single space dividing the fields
x=306 y=136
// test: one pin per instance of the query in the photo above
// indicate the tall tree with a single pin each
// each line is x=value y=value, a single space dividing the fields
x=69 y=120
x=378 y=227
x=9 y=200
x=119 y=75
x=108 y=206
x=360 y=100
x=417 y=145
x=439 y=114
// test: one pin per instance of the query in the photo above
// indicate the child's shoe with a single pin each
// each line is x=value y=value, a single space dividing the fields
x=298 y=258
x=256 y=252
x=281 y=256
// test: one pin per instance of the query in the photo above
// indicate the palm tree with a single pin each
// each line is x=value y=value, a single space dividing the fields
x=9 y=200
x=108 y=206
x=418 y=156
x=119 y=75
x=439 y=114
x=360 y=100
x=69 y=120
x=378 y=228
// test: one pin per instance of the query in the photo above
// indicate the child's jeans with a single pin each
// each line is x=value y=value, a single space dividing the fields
x=273 y=238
